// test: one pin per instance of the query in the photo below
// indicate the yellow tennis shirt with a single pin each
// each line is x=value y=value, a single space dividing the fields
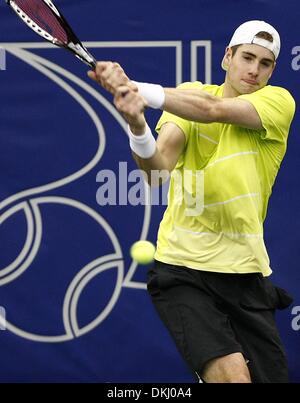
x=220 y=187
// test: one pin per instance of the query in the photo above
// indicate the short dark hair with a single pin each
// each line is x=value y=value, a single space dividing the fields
x=261 y=34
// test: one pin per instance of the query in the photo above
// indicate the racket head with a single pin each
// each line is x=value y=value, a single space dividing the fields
x=43 y=17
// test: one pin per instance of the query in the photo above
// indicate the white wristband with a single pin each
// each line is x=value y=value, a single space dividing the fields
x=154 y=94
x=144 y=145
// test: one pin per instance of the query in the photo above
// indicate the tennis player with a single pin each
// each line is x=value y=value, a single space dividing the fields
x=210 y=280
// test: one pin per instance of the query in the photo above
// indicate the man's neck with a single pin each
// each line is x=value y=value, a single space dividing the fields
x=229 y=91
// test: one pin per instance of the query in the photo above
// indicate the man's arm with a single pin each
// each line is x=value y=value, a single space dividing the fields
x=200 y=106
x=169 y=144
x=190 y=104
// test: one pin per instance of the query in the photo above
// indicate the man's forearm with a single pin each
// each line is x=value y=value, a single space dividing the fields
x=195 y=105
x=147 y=155
x=156 y=168
x=190 y=104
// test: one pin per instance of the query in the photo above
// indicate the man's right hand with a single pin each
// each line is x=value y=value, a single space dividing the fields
x=132 y=105
x=111 y=76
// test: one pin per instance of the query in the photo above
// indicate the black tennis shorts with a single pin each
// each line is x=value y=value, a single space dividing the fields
x=211 y=314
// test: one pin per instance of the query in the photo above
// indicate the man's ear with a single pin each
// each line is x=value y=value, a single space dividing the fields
x=227 y=58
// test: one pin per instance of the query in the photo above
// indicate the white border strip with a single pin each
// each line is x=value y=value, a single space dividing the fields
x=118 y=44
x=194 y=60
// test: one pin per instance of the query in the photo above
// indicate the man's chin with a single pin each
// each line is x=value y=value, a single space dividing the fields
x=247 y=90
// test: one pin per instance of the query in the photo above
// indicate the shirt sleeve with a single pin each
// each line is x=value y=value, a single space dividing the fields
x=183 y=124
x=276 y=109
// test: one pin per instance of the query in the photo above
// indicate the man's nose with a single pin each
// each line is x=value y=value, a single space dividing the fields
x=254 y=69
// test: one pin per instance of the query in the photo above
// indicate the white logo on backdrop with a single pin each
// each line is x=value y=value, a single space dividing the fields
x=30 y=201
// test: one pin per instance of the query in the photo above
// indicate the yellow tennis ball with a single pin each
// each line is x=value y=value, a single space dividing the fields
x=142 y=252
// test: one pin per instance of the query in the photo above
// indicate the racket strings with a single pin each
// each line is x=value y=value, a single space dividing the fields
x=42 y=16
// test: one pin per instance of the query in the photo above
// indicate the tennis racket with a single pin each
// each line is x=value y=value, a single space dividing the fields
x=43 y=17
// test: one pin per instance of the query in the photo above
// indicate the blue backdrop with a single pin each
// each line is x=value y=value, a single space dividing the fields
x=76 y=305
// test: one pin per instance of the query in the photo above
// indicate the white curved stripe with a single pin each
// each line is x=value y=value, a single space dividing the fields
x=117 y=255
x=108 y=308
x=117 y=44
x=87 y=210
x=120 y=120
x=192 y=232
x=232 y=200
x=34 y=250
x=75 y=283
x=139 y=285
x=231 y=156
x=29 y=192
x=80 y=83
x=29 y=237
x=243 y=235
x=147 y=214
x=230 y=234
x=208 y=138
x=37 y=337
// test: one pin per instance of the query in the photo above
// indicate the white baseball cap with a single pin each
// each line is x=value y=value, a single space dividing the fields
x=246 y=34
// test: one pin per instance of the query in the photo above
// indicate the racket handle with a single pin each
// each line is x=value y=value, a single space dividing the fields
x=93 y=64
